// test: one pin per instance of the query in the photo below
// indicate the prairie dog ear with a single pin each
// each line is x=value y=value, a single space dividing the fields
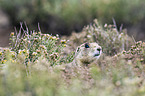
x=87 y=45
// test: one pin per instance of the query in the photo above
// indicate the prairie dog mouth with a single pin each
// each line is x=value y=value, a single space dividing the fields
x=96 y=55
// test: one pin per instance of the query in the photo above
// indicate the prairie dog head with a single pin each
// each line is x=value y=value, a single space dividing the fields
x=88 y=52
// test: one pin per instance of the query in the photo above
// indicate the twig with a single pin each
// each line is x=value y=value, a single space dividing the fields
x=133 y=39
x=39 y=28
x=121 y=27
x=114 y=22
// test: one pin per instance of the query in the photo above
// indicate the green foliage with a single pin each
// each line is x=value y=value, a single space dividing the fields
x=136 y=53
x=114 y=41
x=57 y=15
x=32 y=45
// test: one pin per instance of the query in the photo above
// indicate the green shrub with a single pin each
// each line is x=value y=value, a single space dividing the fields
x=111 y=40
x=136 y=54
x=63 y=16
x=32 y=45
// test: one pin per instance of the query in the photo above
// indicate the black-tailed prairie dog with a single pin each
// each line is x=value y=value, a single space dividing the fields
x=87 y=53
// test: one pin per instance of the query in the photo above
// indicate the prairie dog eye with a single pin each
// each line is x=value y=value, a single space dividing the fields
x=87 y=45
x=99 y=49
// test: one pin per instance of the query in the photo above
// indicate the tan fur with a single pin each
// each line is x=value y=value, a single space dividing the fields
x=86 y=56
